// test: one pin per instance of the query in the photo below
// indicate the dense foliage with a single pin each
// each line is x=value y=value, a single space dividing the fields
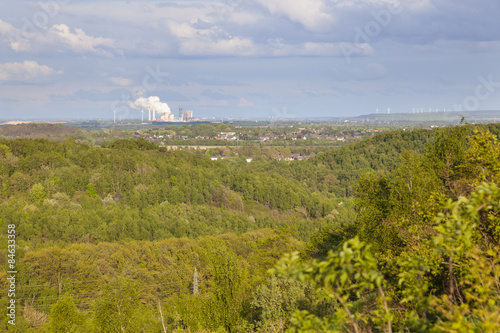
x=130 y=237
x=425 y=254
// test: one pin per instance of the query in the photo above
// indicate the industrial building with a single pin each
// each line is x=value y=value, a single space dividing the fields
x=188 y=115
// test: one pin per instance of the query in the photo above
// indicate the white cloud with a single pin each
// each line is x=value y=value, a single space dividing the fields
x=278 y=48
x=121 y=81
x=78 y=41
x=211 y=41
x=234 y=46
x=243 y=18
x=12 y=36
x=5 y=28
x=59 y=37
x=28 y=71
x=310 y=13
x=214 y=41
x=184 y=30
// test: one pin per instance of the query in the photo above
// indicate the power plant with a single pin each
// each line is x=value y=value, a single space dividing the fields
x=156 y=107
x=188 y=115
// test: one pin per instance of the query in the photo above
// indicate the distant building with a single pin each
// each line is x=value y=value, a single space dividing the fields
x=167 y=117
x=227 y=136
x=181 y=115
x=188 y=115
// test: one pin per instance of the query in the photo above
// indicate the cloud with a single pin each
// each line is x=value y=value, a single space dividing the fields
x=234 y=46
x=248 y=28
x=28 y=72
x=5 y=27
x=310 y=13
x=60 y=38
x=425 y=22
x=277 y=48
x=121 y=81
x=209 y=42
x=214 y=41
x=12 y=36
x=78 y=41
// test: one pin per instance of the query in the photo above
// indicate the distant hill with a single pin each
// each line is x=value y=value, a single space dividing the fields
x=36 y=131
x=449 y=117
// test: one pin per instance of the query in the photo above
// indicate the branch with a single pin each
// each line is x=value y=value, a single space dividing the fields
x=450 y=272
x=161 y=315
x=389 y=325
x=346 y=309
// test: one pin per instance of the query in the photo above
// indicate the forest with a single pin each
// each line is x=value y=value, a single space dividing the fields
x=397 y=231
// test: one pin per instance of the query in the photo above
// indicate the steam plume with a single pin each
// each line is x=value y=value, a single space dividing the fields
x=151 y=103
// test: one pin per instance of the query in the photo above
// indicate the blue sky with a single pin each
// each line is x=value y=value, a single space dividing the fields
x=73 y=59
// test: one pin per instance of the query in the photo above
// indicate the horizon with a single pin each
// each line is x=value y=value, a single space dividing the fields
x=466 y=114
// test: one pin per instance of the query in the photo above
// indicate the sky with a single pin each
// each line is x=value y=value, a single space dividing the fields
x=287 y=59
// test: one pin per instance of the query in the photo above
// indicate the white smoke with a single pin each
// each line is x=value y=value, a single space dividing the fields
x=150 y=103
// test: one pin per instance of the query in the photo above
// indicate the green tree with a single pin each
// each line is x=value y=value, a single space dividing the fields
x=270 y=153
x=345 y=275
x=279 y=298
x=450 y=283
x=482 y=158
x=118 y=307
x=225 y=307
x=37 y=193
x=65 y=318
x=91 y=191
x=467 y=262
x=286 y=153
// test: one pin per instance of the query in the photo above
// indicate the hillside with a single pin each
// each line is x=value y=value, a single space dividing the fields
x=130 y=223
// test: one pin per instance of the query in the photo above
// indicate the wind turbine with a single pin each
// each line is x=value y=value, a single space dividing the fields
x=114 y=116
x=142 y=113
